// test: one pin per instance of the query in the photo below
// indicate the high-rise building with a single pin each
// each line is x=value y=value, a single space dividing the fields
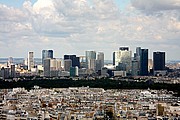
x=158 y=61
x=124 y=48
x=74 y=59
x=92 y=64
x=100 y=61
x=4 y=72
x=51 y=67
x=59 y=62
x=98 y=65
x=90 y=58
x=122 y=59
x=46 y=54
x=30 y=60
x=141 y=56
x=47 y=63
x=13 y=71
x=53 y=64
x=82 y=60
x=144 y=62
x=74 y=71
x=138 y=51
x=67 y=64
x=135 y=68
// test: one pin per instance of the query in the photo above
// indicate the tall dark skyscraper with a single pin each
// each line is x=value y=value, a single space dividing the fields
x=144 y=62
x=74 y=59
x=158 y=61
x=141 y=56
x=46 y=54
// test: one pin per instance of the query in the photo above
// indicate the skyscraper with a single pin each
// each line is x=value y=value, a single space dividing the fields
x=92 y=64
x=46 y=64
x=90 y=58
x=46 y=54
x=158 y=61
x=82 y=60
x=124 y=48
x=30 y=60
x=67 y=64
x=74 y=71
x=144 y=62
x=74 y=59
x=51 y=67
x=13 y=71
x=100 y=61
x=4 y=72
x=59 y=64
x=135 y=68
x=141 y=56
x=122 y=59
x=53 y=64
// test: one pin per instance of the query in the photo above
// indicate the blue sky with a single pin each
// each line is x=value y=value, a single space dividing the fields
x=14 y=3
x=122 y=3
x=18 y=3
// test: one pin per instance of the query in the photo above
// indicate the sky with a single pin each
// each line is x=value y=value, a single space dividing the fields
x=74 y=26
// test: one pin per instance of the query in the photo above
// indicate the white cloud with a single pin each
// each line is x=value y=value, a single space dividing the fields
x=78 y=25
x=150 y=6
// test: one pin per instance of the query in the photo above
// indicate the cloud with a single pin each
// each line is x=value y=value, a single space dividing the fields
x=10 y=14
x=151 y=6
x=73 y=26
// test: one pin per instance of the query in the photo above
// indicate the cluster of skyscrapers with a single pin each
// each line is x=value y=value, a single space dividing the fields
x=139 y=64
x=71 y=63
x=92 y=63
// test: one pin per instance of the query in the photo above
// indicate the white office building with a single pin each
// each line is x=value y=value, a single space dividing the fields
x=30 y=60
x=122 y=59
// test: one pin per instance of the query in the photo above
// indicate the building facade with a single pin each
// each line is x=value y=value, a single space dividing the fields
x=74 y=71
x=144 y=62
x=82 y=60
x=30 y=60
x=46 y=54
x=141 y=56
x=90 y=58
x=47 y=67
x=159 y=61
x=122 y=59
x=67 y=64
x=100 y=61
x=135 y=68
x=74 y=59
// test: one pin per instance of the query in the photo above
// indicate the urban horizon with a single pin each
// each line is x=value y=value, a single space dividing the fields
x=150 y=55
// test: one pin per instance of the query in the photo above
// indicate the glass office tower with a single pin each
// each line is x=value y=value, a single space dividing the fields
x=46 y=54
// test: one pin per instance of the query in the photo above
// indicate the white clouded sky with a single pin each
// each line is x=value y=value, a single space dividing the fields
x=73 y=26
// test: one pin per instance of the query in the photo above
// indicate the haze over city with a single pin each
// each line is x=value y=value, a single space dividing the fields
x=74 y=26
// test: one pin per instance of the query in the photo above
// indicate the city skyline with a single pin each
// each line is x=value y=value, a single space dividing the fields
x=74 y=26
x=150 y=54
